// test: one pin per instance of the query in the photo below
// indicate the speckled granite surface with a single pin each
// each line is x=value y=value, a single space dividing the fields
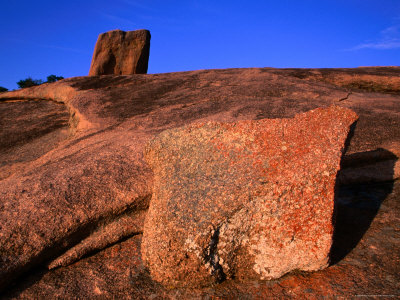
x=83 y=185
x=245 y=200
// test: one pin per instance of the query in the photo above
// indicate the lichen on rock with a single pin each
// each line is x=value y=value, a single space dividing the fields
x=245 y=200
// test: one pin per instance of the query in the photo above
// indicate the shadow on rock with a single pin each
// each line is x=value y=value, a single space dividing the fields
x=358 y=201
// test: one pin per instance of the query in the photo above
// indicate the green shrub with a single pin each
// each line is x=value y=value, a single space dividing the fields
x=28 y=82
x=54 y=78
x=3 y=89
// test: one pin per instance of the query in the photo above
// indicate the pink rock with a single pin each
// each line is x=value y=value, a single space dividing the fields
x=245 y=200
x=121 y=53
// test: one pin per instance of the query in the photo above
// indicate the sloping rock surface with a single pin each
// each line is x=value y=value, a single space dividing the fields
x=68 y=198
x=26 y=136
x=244 y=200
x=121 y=53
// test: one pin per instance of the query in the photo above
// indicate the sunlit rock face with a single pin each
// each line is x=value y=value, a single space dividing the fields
x=75 y=184
x=245 y=200
x=121 y=53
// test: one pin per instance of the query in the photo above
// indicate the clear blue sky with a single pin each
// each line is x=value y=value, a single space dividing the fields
x=39 y=38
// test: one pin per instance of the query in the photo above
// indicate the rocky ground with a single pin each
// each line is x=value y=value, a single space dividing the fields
x=74 y=185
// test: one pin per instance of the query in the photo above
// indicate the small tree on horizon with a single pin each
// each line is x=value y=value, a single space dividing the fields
x=53 y=78
x=3 y=89
x=28 y=82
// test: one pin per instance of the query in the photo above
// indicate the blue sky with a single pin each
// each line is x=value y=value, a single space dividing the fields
x=39 y=38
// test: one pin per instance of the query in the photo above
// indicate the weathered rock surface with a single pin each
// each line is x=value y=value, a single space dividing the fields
x=87 y=182
x=125 y=226
x=245 y=200
x=29 y=129
x=121 y=53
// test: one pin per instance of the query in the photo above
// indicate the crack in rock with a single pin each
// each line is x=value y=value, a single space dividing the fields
x=212 y=258
x=345 y=98
x=122 y=227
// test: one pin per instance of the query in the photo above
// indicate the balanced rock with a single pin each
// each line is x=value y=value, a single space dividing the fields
x=121 y=53
x=245 y=200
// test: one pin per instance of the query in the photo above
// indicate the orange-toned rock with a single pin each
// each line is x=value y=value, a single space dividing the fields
x=121 y=53
x=83 y=185
x=245 y=200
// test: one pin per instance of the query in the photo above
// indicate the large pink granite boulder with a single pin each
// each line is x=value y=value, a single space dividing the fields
x=245 y=200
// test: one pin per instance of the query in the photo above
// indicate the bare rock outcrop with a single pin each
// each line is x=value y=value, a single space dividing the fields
x=87 y=187
x=121 y=53
x=29 y=129
x=245 y=200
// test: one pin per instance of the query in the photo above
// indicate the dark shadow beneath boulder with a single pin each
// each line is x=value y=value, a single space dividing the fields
x=356 y=204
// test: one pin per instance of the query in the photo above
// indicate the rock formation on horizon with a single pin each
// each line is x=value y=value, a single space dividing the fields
x=120 y=52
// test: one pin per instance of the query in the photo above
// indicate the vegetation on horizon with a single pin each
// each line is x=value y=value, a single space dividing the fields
x=3 y=89
x=53 y=78
x=29 y=82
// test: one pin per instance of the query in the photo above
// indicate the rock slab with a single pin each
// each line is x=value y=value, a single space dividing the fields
x=121 y=53
x=244 y=200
